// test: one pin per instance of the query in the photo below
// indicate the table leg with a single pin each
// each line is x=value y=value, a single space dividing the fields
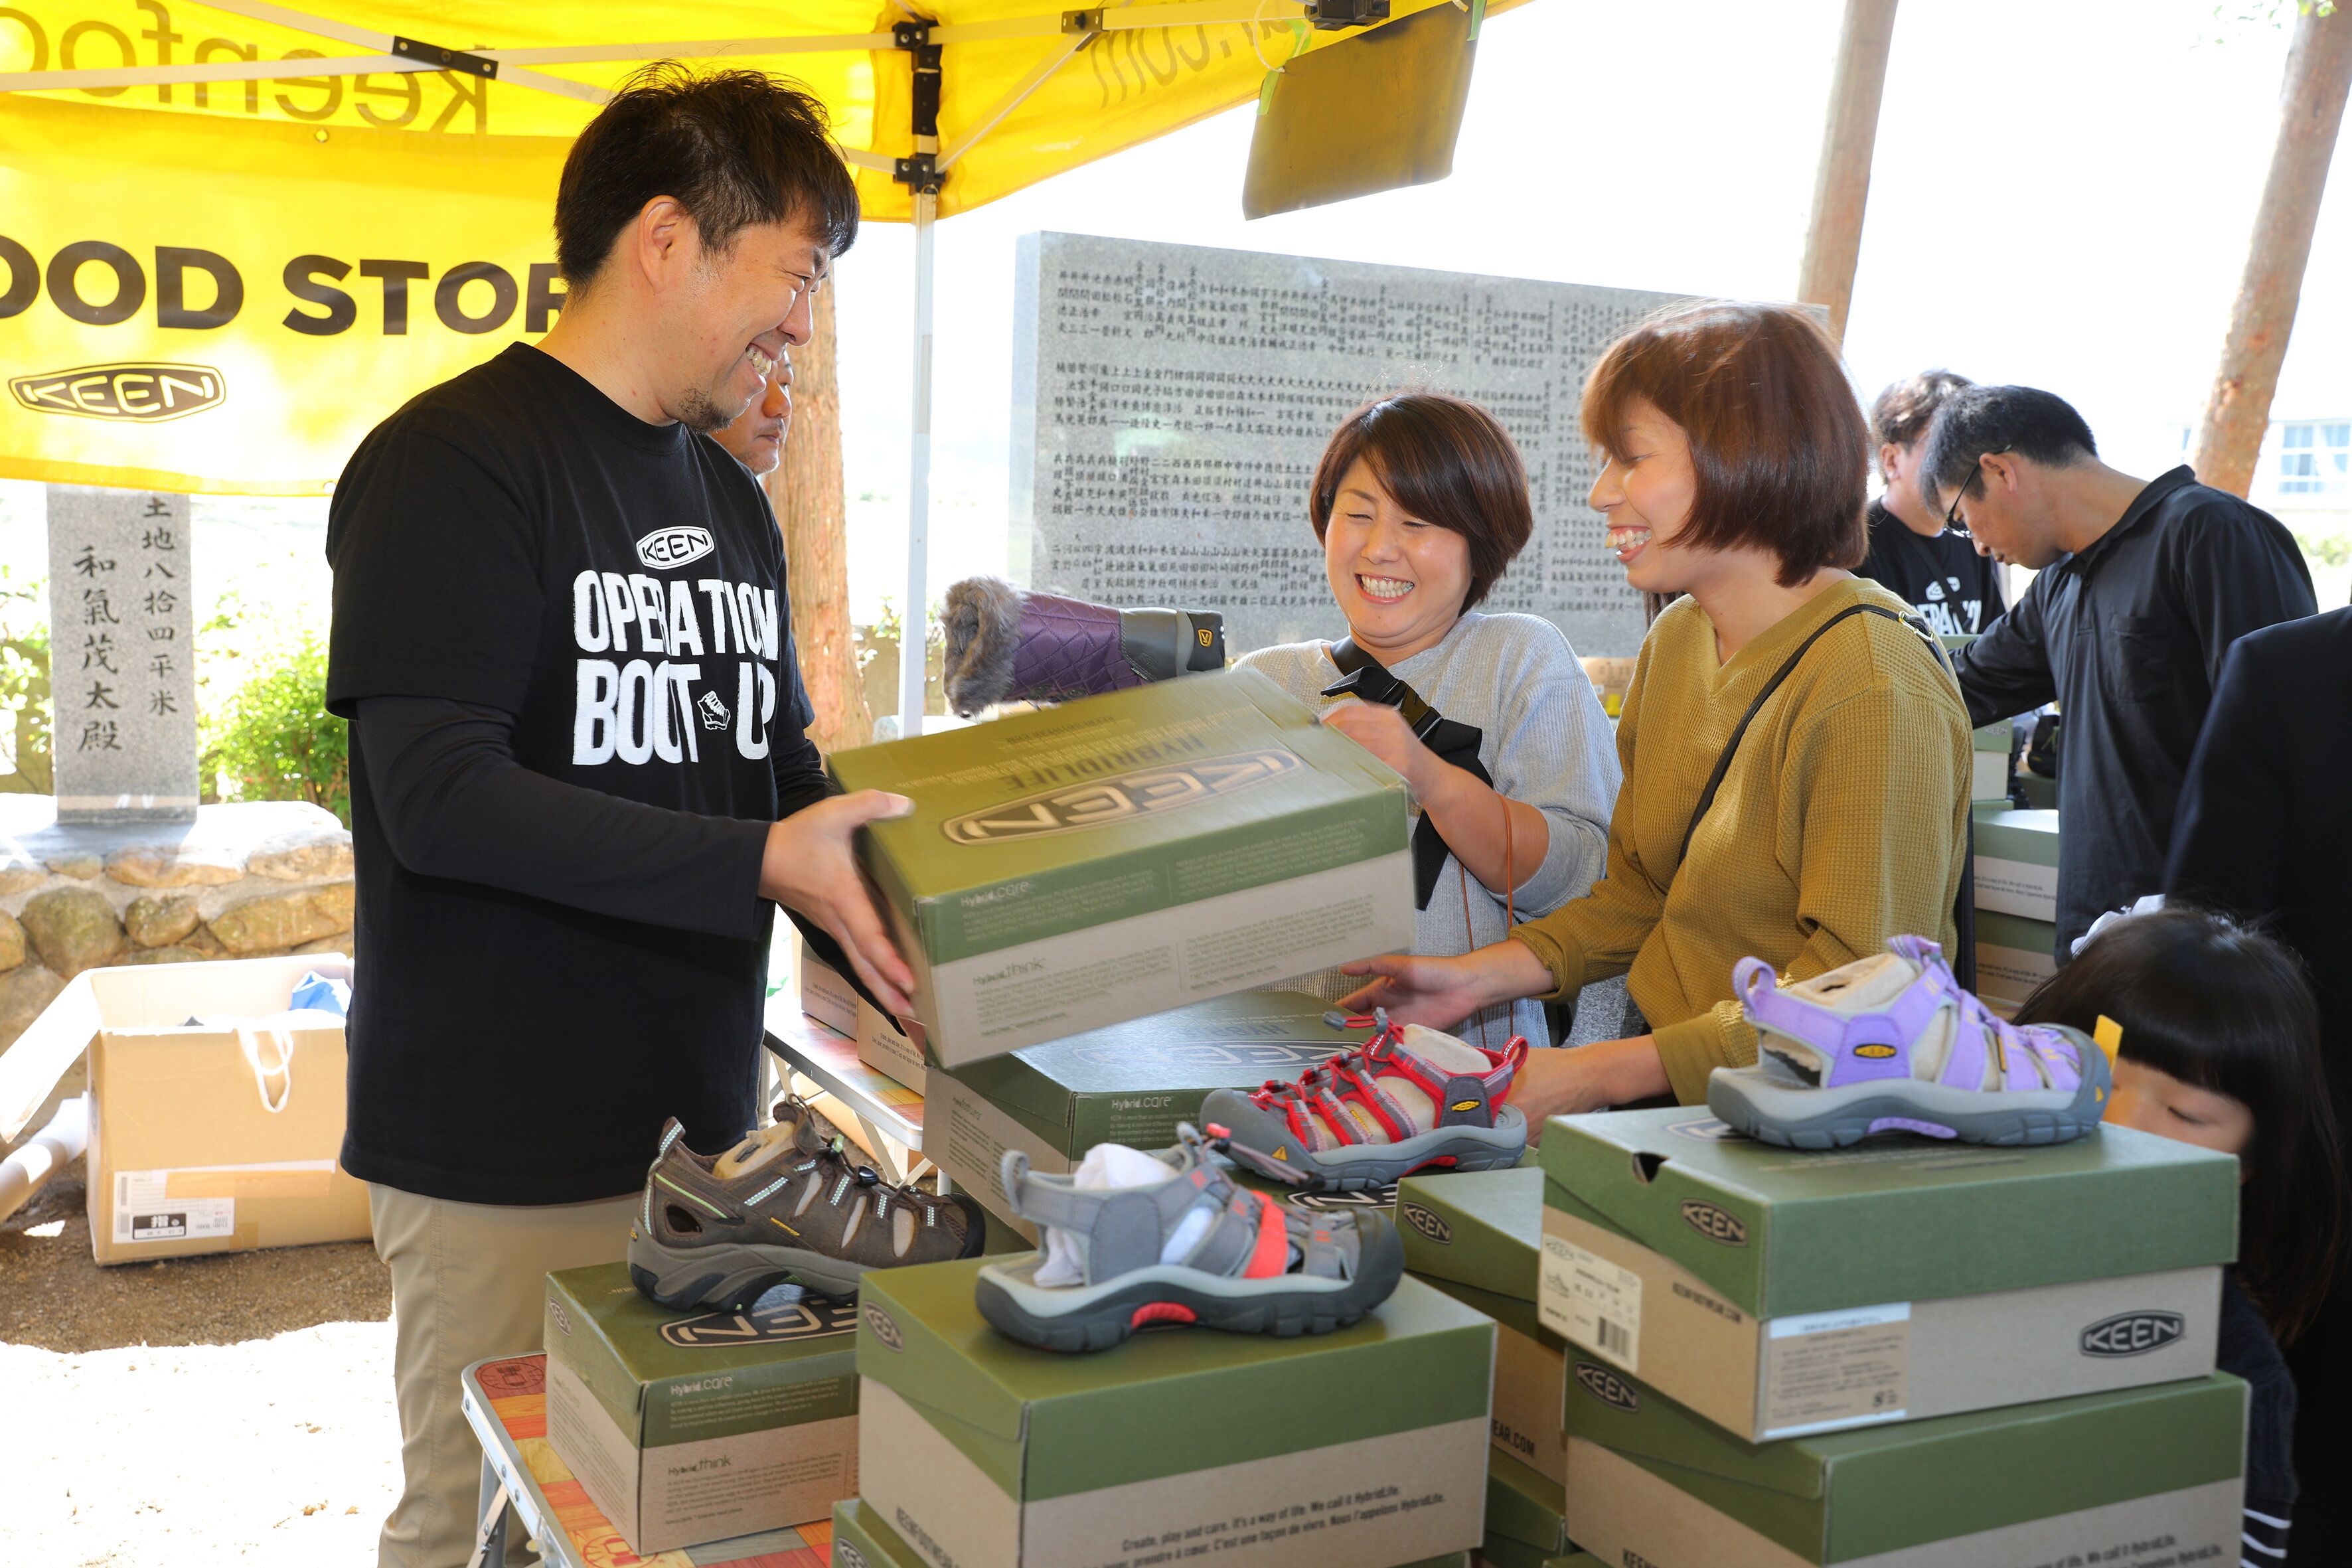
x=490 y=1533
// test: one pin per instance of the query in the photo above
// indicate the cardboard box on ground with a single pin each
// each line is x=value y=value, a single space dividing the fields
x=1124 y=854
x=689 y=1429
x=1777 y=1292
x=206 y=1136
x=1353 y=1449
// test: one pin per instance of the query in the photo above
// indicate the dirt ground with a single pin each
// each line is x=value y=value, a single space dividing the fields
x=232 y=1409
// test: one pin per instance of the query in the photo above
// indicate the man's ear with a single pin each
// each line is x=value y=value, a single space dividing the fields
x=664 y=239
x=1890 y=461
x=2004 y=469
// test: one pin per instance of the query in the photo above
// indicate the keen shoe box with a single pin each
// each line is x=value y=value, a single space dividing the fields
x=1479 y=1238
x=1526 y=1523
x=1131 y=1083
x=2137 y=1478
x=1117 y=857
x=826 y=995
x=862 y=1539
x=1778 y=1292
x=689 y=1429
x=2013 y=956
x=2017 y=863
x=892 y=1047
x=1366 y=1445
x=1995 y=743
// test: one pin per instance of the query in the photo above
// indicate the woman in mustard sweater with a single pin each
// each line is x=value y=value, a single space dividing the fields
x=1736 y=457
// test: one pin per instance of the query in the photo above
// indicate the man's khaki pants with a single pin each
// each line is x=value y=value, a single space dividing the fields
x=467 y=1282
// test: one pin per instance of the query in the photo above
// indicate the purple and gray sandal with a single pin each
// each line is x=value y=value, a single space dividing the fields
x=1892 y=1043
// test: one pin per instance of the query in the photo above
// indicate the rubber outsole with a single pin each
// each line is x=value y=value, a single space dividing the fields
x=1729 y=1097
x=729 y=1277
x=1360 y=1167
x=1114 y=1316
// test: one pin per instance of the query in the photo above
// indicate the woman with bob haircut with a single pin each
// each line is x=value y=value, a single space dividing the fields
x=1736 y=458
x=1420 y=503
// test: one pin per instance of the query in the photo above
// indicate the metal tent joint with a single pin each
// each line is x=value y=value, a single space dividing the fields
x=447 y=60
x=921 y=173
x=1081 y=22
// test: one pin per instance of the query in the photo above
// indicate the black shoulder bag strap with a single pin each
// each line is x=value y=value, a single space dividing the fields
x=1362 y=676
x=1963 y=911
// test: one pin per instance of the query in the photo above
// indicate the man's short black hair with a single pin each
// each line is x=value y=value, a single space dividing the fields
x=2041 y=427
x=731 y=147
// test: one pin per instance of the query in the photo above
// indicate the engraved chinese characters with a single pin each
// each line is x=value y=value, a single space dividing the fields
x=1170 y=402
x=121 y=653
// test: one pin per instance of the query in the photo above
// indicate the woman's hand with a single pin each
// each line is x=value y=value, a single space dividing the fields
x=1382 y=731
x=1569 y=1082
x=1439 y=992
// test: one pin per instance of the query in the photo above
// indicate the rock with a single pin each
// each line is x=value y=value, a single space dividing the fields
x=24 y=992
x=17 y=876
x=12 y=943
x=158 y=922
x=279 y=921
x=171 y=956
x=342 y=944
x=302 y=858
x=202 y=941
x=82 y=866
x=170 y=866
x=73 y=929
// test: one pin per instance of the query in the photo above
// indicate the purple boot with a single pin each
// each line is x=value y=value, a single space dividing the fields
x=1892 y=1043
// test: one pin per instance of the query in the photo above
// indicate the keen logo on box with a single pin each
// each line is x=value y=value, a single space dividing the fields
x=885 y=1328
x=555 y=1310
x=1428 y=1223
x=845 y=1555
x=2132 y=1333
x=1714 y=1224
x=1607 y=1387
x=1101 y=802
x=1704 y=1128
x=808 y=1317
x=673 y=546
x=132 y=393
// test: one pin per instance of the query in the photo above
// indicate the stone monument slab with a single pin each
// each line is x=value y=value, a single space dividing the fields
x=121 y=655
x=1170 y=401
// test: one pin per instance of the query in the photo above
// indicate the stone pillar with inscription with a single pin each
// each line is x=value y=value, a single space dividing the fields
x=121 y=655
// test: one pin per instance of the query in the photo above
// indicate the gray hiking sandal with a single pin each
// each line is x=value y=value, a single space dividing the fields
x=1407 y=1100
x=1192 y=1248
x=720 y=1231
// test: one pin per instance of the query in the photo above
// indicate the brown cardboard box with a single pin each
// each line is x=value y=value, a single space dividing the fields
x=892 y=1047
x=203 y=1139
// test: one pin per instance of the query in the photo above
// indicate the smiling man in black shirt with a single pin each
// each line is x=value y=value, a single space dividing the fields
x=2144 y=585
x=579 y=783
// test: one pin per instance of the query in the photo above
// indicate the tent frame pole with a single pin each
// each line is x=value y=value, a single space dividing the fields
x=922 y=175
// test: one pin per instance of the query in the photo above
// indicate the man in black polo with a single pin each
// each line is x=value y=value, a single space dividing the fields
x=579 y=786
x=2143 y=587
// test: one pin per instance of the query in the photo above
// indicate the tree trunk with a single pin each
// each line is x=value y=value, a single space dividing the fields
x=2311 y=108
x=1833 y=238
x=806 y=490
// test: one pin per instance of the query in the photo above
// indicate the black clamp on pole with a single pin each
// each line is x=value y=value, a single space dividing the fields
x=447 y=59
x=921 y=173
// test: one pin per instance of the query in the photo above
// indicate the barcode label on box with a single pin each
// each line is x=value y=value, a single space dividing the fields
x=143 y=1213
x=1592 y=1302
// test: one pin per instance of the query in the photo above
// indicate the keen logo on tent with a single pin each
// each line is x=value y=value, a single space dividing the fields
x=1429 y=1224
x=884 y=1327
x=2132 y=1333
x=133 y=392
x=673 y=546
x=1714 y=1224
x=1123 y=799
x=795 y=1317
x=1607 y=1387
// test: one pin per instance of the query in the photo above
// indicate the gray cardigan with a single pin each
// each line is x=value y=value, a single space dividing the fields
x=1546 y=743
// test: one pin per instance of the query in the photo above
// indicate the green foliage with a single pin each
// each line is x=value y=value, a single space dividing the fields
x=2327 y=549
x=24 y=767
x=273 y=739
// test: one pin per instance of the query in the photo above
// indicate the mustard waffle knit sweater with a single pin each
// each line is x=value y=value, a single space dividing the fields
x=1841 y=822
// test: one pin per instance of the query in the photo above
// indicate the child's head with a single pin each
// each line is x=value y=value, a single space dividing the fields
x=2220 y=1047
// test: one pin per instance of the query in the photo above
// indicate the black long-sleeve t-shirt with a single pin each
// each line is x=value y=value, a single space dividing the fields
x=560 y=632
x=2127 y=637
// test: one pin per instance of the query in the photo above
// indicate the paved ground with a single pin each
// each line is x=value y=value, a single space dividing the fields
x=234 y=1409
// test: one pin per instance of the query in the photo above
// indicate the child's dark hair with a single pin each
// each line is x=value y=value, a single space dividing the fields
x=2221 y=1006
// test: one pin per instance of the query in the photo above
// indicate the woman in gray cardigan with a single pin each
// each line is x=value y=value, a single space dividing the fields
x=1421 y=501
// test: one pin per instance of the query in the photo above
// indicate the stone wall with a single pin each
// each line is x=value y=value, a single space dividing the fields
x=244 y=880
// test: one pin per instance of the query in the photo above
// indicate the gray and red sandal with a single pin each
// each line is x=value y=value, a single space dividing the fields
x=1407 y=1100
x=1194 y=1248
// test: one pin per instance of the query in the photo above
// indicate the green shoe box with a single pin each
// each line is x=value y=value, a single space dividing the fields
x=1477 y=1235
x=689 y=1428
x=2017 y=862
x=1119 y=856
x=1990 y=782
x=1131 y=1083
x=1366 y=1445
x=2014 y=955
x=1526 y=1523
x=862 y=1540
x=1778 y=1292
x=2140 y=1477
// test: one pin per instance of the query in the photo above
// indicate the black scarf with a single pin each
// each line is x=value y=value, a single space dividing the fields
x=1364 y=677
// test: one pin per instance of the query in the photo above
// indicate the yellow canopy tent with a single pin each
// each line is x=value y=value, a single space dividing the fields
x=216 y=275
